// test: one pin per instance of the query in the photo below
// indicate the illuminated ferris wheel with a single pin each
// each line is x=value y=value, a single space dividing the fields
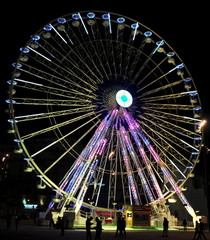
x=104 y=109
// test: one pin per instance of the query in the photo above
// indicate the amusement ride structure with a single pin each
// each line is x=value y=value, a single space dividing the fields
x=104 y=109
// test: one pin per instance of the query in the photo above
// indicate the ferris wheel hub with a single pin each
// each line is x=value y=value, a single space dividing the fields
x=124 y=98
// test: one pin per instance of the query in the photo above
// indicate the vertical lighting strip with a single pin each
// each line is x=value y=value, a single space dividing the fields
x=135 y=126
x=132 y=127
x=109 y=20
x=168 y=176
x=172 y=181
x=58 y=33
x=86 y=153
x=128 y=167
x=83 y=164
x=83 y=23
x=84 y=187
x=137 y=164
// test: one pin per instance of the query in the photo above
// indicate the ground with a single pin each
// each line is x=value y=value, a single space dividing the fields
x=30 y=231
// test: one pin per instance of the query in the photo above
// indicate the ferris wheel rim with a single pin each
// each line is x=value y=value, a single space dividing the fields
x=20 y=138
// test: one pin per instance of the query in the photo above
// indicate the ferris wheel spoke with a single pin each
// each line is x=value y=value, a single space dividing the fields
x=167 y=159
x=170 y=85
x=130 y=176
x=56 y=91
x=137 y=56
x=30 y=83
x=51 y=102
x=89 y=54
x=52 y=79
x=100 y=50
x=169 y=96
x=98 y=181
x=133 y=51
x=173 y=143
x=169 y=106
x=93 y=148
x=148 y=58
x=99 y=178
x=146 y=162
x=166 y=141
x=119 y=50
x=109 y=49
x=174 y=117
x=171 y=127
x=59 y=125
x=162 y=165
x=89 y=51
x=65 y=136
x=65 y=61
x=39 y=116
x=58 y=68
x=156 y=66
x=95 y=60
x=128 y=52
x=146 y=186
x=178 y=67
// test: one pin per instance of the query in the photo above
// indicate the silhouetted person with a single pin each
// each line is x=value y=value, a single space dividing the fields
x=165 y=227
x=58 y=224
x=17 y=221
x=118 y=224
x=62 y=226
x=201 y=230
x=98 y=228
x=196 y=230
x=184 y=223
x=51 y=225
x=88 y=228
x=122 y=227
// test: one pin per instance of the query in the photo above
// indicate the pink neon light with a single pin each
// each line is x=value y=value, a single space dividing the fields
x=101 y=149
x=154 y=154
x=134 y=128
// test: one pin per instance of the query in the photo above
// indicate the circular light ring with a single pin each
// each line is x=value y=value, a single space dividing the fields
x=124 y=98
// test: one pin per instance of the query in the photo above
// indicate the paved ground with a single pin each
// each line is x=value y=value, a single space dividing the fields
x=44 y=233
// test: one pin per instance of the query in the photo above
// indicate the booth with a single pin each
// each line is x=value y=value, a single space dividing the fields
x=137 y=216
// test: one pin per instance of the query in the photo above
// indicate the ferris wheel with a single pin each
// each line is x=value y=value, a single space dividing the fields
x=104 y=109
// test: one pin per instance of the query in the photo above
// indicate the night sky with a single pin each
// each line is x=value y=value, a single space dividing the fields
x=184 y=27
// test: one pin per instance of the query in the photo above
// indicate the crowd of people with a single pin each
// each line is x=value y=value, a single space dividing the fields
x=120 y=231
x=98 y=228
x=199 y=229
x=120 y=227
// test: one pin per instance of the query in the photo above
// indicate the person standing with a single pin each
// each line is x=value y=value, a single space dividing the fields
x=165 y=227
x=17 y=220
x=62 y=226
x=196 y=230
x=184 y=223
x=98 y=229
x=201 y=230
x=119 y=219
x=122 y=227
x=88 y=227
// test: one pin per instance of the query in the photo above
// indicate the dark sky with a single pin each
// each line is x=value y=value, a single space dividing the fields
x=184 y=27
